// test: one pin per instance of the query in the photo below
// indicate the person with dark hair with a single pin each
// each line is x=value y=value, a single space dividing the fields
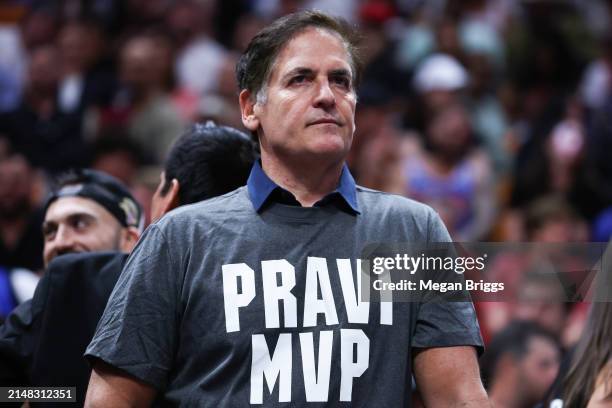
x=452 y=174
x=589 y=380
x=20 y=218
x=256 y=64
x=209 y=160
x=86 y=77
x=43 y=342
x=118 y=156
x=585 y=377
x=196 y=316
x=519 y=365
x=143 y=104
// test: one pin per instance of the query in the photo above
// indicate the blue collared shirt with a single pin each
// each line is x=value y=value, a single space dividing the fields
x=261 y=189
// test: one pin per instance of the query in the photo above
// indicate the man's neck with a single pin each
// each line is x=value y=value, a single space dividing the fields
x=308 y=184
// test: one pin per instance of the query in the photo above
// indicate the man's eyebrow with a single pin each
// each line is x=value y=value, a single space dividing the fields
x=340 y=72
x=298 y=71
x=69 y=217
x=308 y=71
x=48 y=224
x=80 y=214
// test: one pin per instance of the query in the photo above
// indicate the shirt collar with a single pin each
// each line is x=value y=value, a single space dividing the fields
x=260 y=186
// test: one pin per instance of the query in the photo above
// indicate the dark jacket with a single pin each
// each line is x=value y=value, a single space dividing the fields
x=43 y=340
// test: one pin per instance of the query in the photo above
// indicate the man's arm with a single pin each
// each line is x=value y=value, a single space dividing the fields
x=449 y=377
x=111 y=387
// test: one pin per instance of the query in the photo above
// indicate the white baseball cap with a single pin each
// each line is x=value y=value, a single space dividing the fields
x=440 y=72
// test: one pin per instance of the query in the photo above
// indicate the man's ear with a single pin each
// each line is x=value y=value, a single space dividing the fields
x=247 y=109
x=130 y=236
x=171 y=200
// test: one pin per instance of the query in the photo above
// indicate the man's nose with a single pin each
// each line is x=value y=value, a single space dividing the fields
x=325 y=97
x=64 y=240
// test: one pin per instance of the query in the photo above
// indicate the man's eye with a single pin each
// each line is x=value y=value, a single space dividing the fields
x=298 y=79
x=342 y=81
x=80 y=223
x=48 y=232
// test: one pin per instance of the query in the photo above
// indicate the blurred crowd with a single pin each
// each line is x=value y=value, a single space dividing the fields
x=494 y=112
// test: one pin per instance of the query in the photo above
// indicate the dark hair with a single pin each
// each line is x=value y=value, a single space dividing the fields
x=594 y=350
x=209 y=160
x=255 y=64
x=115 y=143
x=513 y=339
x=545 y=210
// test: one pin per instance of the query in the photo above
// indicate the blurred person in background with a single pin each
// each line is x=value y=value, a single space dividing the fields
x=20 y=238
x=39 y=25
x=447 y=38
x=483 y=51
x=439 y=81
x=21 y=30
x=452 y=175
x=585 y=378
x=589 y=379
x=541 y=299
x=551 y=222
x=552 y=218
x=375 y=156
x=199 y=56
x=86 y=75
x=143 y=104
x=37 y=128
x=557 y=164
x=379 y=50
x=597 y=165
x=220 y=105
x=117 y=155
x=519 y=365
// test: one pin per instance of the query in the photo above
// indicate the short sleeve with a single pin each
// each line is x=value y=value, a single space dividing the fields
x=441 y=323
x=138 y=330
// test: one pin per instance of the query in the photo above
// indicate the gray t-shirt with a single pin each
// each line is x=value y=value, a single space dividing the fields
x=220 y=305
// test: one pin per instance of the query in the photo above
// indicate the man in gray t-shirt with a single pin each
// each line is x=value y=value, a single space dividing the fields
x=253 y=297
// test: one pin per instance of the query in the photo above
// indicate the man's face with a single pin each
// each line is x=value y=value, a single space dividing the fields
x=77 y=224
x=309 y=106
x=539 y=368
x=15 y=183
x=542 y=302
x=44 y=69
x=139 y=66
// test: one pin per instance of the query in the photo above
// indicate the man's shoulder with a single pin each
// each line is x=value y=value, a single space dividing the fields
x=234 y=200
x=374 y=201
x=209 y=211
x=79 y=260
x=97 y=270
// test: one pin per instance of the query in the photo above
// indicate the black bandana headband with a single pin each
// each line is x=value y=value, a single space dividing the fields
x=106 y=191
